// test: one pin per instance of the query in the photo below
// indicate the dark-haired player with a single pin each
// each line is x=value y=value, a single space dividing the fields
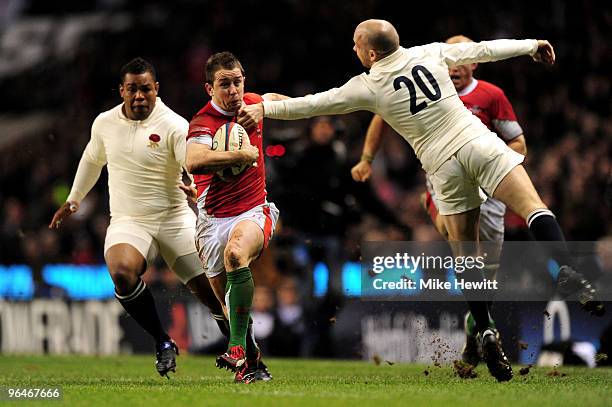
x=235 y=220
x=142 y=142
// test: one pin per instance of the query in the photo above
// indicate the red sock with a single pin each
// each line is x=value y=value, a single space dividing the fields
x=432 y=210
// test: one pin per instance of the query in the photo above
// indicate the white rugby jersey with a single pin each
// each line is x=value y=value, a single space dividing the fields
x=145 y=161
x=412 y=91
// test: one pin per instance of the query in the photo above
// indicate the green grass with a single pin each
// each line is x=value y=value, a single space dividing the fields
x=132 y=381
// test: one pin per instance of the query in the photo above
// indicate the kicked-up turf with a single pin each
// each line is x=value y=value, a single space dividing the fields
x=133 y=381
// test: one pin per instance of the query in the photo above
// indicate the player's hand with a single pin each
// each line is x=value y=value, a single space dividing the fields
x=190 y=191
x=362 y=171
x=250 y=115
x=250 y=154
x=545 y=53
x=67 y=209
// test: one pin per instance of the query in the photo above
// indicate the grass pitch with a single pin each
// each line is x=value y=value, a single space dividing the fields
x=133 y=381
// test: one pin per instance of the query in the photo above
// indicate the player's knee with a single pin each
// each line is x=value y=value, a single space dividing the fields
x=233 y=256
x=125 y=278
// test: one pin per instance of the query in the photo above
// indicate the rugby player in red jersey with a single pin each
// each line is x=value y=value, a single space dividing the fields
x=235 y=220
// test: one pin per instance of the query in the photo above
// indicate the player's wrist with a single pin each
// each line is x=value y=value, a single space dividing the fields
x=368 y=158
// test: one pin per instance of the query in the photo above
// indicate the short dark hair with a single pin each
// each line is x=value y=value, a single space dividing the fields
x=137 y=66
x=221 y=60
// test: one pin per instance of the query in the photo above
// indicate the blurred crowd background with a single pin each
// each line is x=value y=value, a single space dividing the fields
x=59 y=64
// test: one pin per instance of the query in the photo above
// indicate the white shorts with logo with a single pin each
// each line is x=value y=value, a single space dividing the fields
x=169 y=233
x=480 y=163
x=213 y=234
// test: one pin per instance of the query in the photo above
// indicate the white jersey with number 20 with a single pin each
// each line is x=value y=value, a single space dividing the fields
x=412 y=91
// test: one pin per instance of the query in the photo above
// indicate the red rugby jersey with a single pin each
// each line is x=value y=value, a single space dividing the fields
x=235 y=195
x=492 y=107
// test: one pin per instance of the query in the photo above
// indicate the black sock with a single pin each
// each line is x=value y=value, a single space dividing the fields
x=141 y=306
x=251 y=344
x=545 y=228
x=480 y=312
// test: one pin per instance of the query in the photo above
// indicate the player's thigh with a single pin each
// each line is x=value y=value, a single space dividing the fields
x=517 y=191
x=498 y=170
x=455 y=190
x=252 y=230
x=124 y=262
x=245 y=243
x=128 y=247
x=210 y=241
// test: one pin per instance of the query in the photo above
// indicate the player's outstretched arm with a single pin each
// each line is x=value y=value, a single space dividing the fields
x=352 y=96
x=86 y=177
x=362 y=171
x=496 y=50
x=545 y=53
x=201 y=159
x=274 y=96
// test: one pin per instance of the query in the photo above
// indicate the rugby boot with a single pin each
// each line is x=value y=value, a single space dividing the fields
x=493 y=354
x=166 y=353
x=233 y=359
x=572 y=282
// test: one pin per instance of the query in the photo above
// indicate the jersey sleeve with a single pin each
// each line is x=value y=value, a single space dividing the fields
x=179 y=139
x=94 y=151
x=199 y=132
x=485 y=51
x=90 y=166
x=503 y=118
x=352 y=96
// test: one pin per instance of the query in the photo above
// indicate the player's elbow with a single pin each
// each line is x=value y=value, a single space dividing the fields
x=190 y=166
x=196 y=160
x=195 y=166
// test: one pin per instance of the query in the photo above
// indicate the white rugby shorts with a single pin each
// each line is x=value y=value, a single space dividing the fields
x=213 y=234
x=481 y=163
x=492 y=213
x=169 y=233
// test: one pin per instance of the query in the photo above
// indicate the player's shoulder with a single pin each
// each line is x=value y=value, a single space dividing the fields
x=490 y=88
x=203 y=115
x=107 y=117
x=252 y=98
x=174 y=119
x=203 y=122
x=433 y=48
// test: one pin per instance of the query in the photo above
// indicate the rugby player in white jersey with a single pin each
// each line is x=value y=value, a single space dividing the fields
x=412 y=91
x=489 y=103
x=142 y=142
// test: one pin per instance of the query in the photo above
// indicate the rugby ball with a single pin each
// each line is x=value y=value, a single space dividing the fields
x=229 y=137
